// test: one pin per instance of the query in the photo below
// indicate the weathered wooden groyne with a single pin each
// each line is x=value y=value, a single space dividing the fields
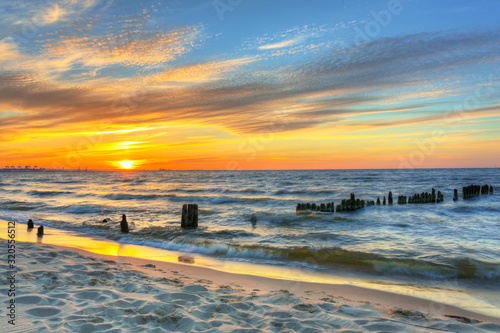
x=426 y=197
x=345 y=205
x=475 y=190
x=312 y=207
x=352 y=203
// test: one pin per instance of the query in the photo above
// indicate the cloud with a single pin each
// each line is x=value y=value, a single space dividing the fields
x=8 y=51
x=200 y=72
x=283 y=44
x=294 y=39
x=124 y=42
x=34 y=14
x=53 y=14
x=398 y=58
x=327 y=89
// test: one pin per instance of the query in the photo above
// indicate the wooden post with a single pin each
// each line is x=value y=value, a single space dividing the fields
x=378 y=201
x=491 y=189
x=189 y=217
x=455 y=195
x=30 y=224
x=390 y=198
x=124 y=224
x=383 y=202
x=184 y=216
x=40 y=231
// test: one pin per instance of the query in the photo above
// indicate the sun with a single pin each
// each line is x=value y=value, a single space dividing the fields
x=126 y=164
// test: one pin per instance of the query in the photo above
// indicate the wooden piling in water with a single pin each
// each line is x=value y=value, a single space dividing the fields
x=40 y=231
x=440 y=197
x=475 y=190
x=31 y=225
x=485 y=189
x=401 y=200
x=383 y=202
x=390 y=198
x=455 y=195
x=328 y=207
x=189 y=217
x=124 y=224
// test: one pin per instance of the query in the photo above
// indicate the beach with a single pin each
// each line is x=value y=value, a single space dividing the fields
x=68 y=289
x=253 y=264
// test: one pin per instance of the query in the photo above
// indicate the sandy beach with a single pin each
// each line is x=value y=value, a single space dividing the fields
x=66 y=289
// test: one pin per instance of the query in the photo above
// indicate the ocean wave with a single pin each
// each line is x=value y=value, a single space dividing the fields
x=20 y=205
x=245 y=190
x=219 y=244
x=48 y=193
x=465 y=268
x=86 y=209
x=64 y=182
x=218 y=249
x=310 y=192
x=33 y=180
x=129 y=196
x=220 y=200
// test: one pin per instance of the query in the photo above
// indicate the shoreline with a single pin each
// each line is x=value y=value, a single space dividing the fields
x=73 y=290
x=311 y=290
x=347 y=294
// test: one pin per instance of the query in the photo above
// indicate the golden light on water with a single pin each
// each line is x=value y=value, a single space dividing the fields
x=126 y=164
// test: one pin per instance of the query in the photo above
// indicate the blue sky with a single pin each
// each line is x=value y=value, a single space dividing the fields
x=369 y=72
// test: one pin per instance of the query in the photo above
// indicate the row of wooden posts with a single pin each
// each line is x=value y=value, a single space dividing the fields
x=189 y=220
x=31 y=225
x=475 y=190
x=189 y=217
x=424 y=197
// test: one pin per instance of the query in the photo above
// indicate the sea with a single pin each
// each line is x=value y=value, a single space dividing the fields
x=250 y=217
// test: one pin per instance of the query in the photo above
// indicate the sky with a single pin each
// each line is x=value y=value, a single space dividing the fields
x=245 y=85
